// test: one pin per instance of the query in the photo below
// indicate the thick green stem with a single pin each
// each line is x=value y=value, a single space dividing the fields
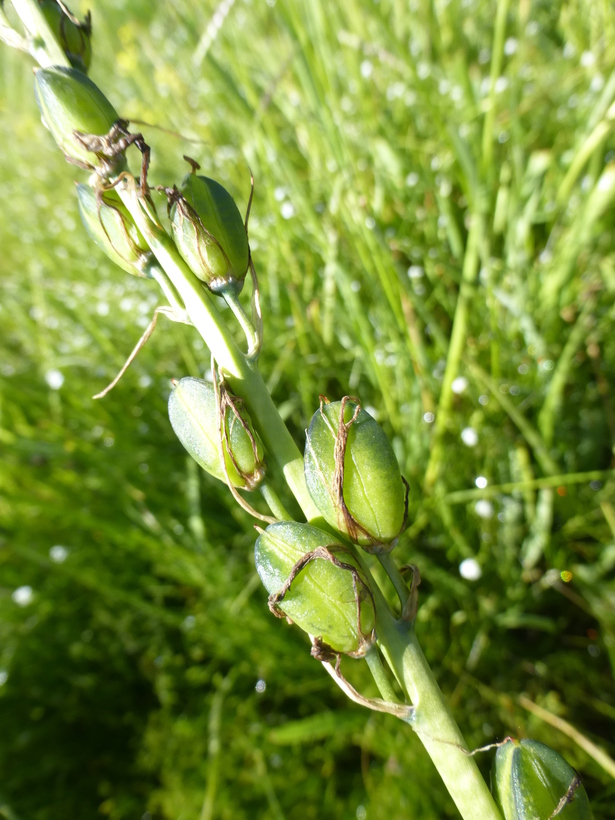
x=232 y=300
x=433 y=722
x=397 y=579
x=243 y=376
x=380 y=677
x=42 y=42
x=273 y=502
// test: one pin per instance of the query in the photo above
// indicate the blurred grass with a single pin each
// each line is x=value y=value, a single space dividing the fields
x=409 y=159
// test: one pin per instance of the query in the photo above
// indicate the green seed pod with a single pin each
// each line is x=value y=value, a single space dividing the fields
x=353 y=476
x=74 y=37
x=194 y=417
x=209 y=233
x=110 y=225
x=317 y=584
x=70 y=102
x=531 y=781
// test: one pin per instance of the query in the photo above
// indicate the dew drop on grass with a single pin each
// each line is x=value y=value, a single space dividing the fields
x=470 y=569
x=55 y=379
x=469 y=436
x=484 y=509
x=23 y=596
x=58 y=554
x=459 y=385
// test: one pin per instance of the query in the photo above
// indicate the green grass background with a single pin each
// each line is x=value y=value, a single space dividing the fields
x=382 y=136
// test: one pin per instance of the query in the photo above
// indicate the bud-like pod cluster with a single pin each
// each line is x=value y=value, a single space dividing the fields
x=110 y=225
x=70 y=102
x=531 y=780
x=74 y=37
x=209 y=233
x=353 y=476
x=317 y=584
x=193 y=411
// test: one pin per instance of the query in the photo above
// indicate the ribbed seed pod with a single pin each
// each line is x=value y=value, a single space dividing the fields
x=110 y=225
x=209 y=233
x=353 y=476
x=69 y=102
x=531 y=781
x=324 y=591
x=74 y=37
x=194 y=417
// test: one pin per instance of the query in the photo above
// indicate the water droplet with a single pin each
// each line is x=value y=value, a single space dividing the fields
x=469 y=436
x=22 y=596
x=55 y=379
x=459 y=385
x=484 y=509
x=367 y=69
x=58 y=554
x=470 y=569
x=412 y=179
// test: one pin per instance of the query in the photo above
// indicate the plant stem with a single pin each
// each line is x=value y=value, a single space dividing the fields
x=397 y=579
x=433 y=722
x=43 y=45
x=232 y=300
x=274 y=503
x=380 y=676
x=243 y=376
x=167 y=288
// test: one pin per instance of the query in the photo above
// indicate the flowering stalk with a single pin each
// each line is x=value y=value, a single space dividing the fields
x=336 y=559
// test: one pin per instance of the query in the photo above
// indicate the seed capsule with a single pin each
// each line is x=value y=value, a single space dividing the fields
x=110 y=225
x=353 y=476
x=194 y=417
x=74 y=37
x=209 y=233
x=69 y=102
x=328 y=597
x=530 y=780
